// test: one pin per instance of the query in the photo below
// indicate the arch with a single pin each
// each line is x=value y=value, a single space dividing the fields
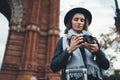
x=5 y=9
x=13 y=10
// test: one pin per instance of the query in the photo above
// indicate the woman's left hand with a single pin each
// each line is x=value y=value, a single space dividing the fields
x=91 y=47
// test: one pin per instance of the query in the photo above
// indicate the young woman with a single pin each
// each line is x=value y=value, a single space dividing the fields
x=75 y=51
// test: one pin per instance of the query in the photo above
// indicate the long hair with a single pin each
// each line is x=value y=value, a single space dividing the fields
x=69 y=25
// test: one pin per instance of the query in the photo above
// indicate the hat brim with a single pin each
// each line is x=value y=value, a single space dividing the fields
x=77 y=10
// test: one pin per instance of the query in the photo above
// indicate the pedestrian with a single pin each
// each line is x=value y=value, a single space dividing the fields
x=78 y=48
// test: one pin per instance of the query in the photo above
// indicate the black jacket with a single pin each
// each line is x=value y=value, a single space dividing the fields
x=60 y=59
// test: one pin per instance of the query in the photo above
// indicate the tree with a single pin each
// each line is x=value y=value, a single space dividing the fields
x=111 y=41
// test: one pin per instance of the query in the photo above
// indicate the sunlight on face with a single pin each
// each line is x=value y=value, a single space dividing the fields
x=78 y=22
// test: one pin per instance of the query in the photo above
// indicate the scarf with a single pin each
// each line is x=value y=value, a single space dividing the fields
x=75 y=61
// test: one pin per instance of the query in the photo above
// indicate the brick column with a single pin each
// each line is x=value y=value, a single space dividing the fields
x=53 y=35
x=28 y=65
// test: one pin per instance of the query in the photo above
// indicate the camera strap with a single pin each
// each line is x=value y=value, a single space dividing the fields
x=83 y=56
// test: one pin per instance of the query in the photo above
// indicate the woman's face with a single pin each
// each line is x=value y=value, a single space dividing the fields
x=78 y=22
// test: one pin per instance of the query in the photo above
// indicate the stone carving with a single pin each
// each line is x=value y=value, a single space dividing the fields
x=10 y=66
x=17 y=12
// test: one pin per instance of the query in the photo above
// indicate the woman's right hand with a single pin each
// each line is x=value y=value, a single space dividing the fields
x=75 y=43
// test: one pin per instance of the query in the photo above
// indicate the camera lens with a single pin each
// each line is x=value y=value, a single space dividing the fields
x=88 y=38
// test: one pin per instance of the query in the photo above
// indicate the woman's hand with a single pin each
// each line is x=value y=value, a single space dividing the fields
x=75 y=43
x=91 y=47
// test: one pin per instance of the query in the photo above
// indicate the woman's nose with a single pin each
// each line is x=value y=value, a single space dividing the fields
x=79 y=21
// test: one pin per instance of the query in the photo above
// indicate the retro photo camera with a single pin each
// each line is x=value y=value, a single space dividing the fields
x=89 y=39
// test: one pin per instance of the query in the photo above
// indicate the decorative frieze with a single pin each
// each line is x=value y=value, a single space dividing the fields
x=36 y=28
x=10 y=66
x=28 y=66
x=15 y=27
x=33 y=28
x=53 y=32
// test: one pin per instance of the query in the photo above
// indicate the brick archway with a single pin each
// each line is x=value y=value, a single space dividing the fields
x=13 y=10
x=5 y=9
x=33 y=33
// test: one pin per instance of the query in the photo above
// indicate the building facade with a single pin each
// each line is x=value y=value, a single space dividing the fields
x=33 y=34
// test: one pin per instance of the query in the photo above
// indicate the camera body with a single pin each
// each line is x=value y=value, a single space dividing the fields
x=89 y=39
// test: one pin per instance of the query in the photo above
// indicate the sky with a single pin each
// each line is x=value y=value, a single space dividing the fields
x=3 y=35
x=103 y=13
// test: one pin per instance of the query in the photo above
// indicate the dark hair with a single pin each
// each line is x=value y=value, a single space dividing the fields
x=69 y=24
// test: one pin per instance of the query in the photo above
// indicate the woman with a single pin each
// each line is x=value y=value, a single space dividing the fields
x=75 y=51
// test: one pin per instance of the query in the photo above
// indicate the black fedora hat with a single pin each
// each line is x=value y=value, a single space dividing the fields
x=77 y=10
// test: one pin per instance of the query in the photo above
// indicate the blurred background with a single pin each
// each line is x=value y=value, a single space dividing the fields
x=102 y=27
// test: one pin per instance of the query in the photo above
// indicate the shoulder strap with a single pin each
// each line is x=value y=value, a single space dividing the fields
x=83 y=55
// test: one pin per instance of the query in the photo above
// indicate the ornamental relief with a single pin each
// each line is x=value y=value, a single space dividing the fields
x=10 y=66
x=17 y=12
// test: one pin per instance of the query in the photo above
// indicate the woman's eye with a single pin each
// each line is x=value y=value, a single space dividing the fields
x=82 y=20
x=76 y=19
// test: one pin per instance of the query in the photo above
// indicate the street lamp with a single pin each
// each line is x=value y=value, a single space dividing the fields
x=117 y=17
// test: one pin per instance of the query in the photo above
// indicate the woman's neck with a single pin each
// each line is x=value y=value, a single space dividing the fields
x=78 y=31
